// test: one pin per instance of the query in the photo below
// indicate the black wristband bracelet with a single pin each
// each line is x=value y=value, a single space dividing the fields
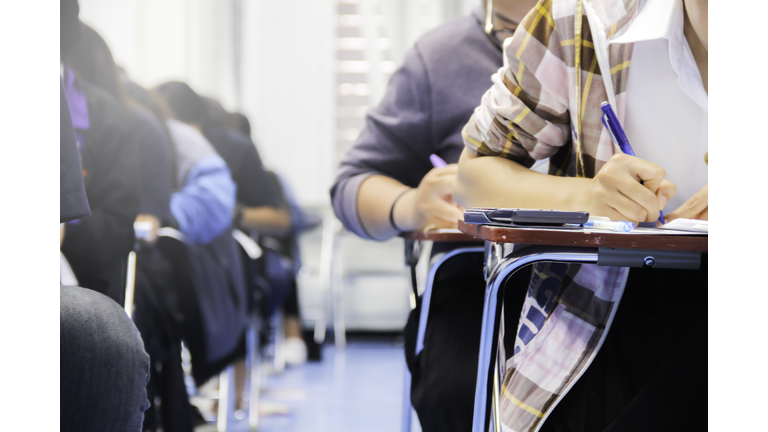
x=392 y=210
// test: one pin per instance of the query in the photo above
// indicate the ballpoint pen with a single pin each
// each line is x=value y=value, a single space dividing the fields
x=611 y=123
x=437 y=161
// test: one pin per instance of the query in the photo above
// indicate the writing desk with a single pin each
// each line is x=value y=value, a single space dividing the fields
x=465 y=244
x=533 y=246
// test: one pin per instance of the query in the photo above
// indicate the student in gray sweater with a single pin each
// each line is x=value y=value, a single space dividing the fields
x=386 y=185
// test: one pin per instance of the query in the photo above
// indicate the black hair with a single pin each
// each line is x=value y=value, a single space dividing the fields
x=92 y=61
x=240 y=122
x=184 y=103
x=215 y=114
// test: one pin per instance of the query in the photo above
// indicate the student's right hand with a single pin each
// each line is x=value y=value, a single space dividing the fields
x=431 y=203
x=616 y=192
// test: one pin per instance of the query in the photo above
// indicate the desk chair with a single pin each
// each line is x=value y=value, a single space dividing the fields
x=226 y=395
x=252 y=357
x=541 y=245
x=413 y=248
x=331 y=279
x=333 y=275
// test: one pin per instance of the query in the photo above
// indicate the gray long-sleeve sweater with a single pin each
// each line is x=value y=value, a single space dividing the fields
x=427 y=103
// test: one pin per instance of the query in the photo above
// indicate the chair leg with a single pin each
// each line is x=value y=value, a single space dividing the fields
x=337 y=291
x=226 y=399
x=327 y=251
x=496 y=411
x=253 y=365
x=278 y=360
x=130 y=283
x=407 y=402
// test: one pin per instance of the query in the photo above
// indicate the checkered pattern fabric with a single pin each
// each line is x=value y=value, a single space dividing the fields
x=545 y=103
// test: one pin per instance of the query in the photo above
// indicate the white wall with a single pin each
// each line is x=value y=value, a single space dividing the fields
x=288 y=90
x=160 y=40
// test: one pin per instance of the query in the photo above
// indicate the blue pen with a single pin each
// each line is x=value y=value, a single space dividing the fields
x=437 y=161
x=611 y=123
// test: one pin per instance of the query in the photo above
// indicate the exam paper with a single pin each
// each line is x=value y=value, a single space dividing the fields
x=676 y=227
x=694 y=225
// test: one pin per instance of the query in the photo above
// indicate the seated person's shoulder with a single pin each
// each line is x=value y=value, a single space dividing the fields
x=464 y=33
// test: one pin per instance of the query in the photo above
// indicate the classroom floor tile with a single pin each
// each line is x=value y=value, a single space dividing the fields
x=359 y=388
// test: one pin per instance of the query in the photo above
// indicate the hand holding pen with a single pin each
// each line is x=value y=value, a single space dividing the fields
x=431 y=204
x=628 y=188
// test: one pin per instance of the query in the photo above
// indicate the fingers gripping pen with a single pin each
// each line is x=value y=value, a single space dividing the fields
x=611 y=123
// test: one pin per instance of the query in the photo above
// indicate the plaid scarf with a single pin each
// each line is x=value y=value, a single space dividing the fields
x=545 y=103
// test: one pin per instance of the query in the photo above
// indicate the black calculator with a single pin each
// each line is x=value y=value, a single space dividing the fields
x=523 y=217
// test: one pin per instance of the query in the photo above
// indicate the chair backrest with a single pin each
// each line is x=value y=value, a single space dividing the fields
x=210 y=297
x=247 y=244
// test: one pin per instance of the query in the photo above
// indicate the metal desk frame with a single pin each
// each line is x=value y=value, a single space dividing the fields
x=500 y=267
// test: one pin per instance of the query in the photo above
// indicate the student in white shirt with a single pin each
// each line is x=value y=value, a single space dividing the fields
x=643 y=368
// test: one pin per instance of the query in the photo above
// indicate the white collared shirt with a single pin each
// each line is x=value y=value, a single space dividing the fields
x=666 y=104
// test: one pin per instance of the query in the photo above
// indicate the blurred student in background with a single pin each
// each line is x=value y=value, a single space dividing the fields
x=97 y=247
x=102 y=363
x=200 y=207
x=92 y=61
x=258 y=198
x=386 y=185
x=625 y=349
x=261 y=208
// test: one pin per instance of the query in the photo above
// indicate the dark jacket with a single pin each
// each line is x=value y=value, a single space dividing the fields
x=73 y=203
x=427 y=103
x=97 y=247
x=156 y=165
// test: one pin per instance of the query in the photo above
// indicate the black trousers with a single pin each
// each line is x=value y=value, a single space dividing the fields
x=103 y=366
x=651 y=373
x=443 y=375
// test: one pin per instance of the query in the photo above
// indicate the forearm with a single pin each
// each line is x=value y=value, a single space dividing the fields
x=266 y=220
x=374 y=201
x=490 y=181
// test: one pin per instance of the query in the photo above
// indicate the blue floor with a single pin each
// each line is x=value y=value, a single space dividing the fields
x=356 y=389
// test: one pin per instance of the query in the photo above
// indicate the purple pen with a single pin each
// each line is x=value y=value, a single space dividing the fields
x=437 y=162
x=611 y=123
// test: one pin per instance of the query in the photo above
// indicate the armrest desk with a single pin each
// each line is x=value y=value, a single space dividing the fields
x=551 y=245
